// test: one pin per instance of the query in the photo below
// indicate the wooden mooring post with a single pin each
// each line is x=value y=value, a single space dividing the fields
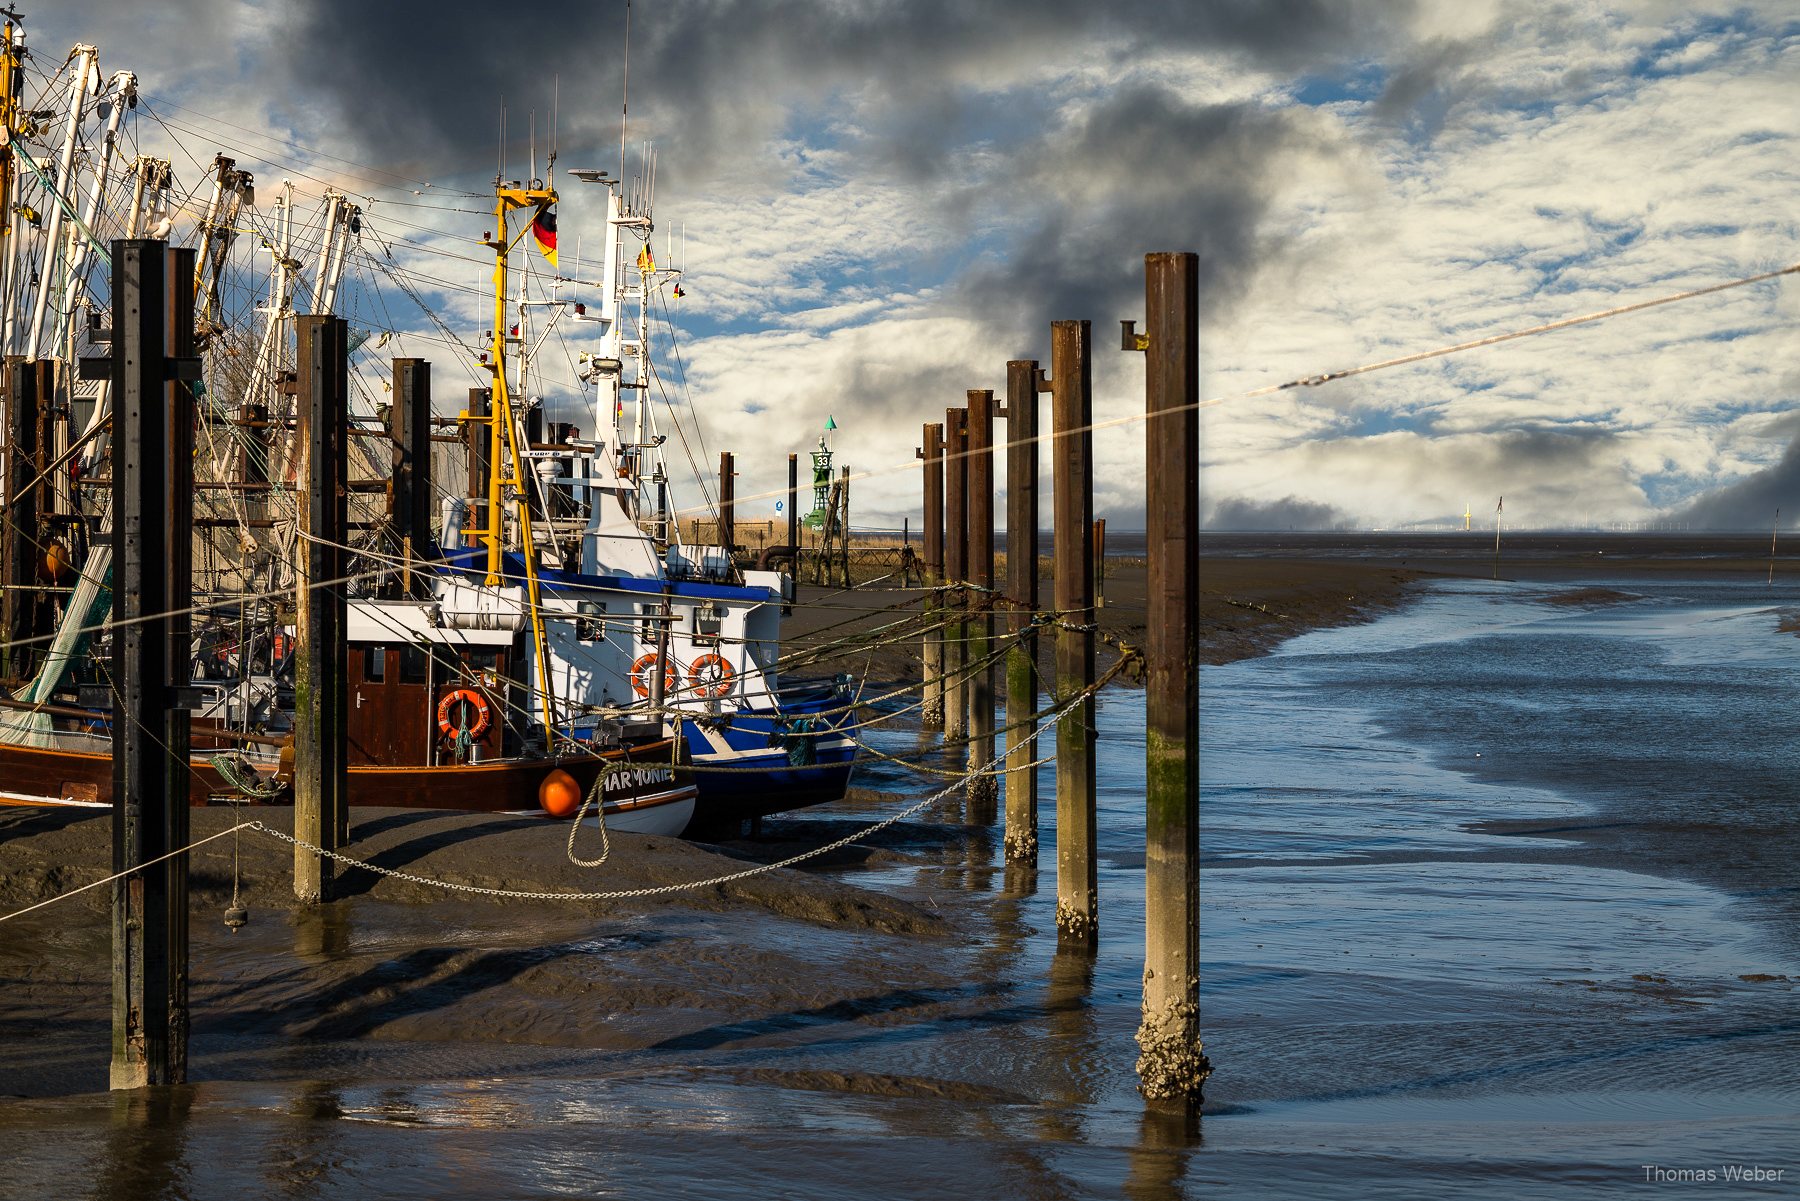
x=321 y=802
x=728 y=502
x=1071 y=405
x=152 y=481
x=22 y=550
x=793 y=526
x=931 y=713
x=479 y=432
x=1172 y=1068
x=1023 y=383
x=984 y=789
x=956 y=572
x=409 y=487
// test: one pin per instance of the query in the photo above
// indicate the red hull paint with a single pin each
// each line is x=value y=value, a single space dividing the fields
x=501 y=786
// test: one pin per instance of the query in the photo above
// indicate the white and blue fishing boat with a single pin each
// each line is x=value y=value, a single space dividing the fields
x=623 y=617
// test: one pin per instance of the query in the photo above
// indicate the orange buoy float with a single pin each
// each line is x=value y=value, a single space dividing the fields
x=710 y=675
x=559 y=795
x=463 y=696
x=641 y=677
x=56 y=562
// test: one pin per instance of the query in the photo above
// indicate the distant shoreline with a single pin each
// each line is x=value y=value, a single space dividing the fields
x=1257 y=591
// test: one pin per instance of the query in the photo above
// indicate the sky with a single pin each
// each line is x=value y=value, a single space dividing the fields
x=876 y=205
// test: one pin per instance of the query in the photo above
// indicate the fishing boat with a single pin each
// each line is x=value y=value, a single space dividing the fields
x=559 y=641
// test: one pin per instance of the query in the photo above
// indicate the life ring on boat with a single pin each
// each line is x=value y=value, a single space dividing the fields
x=710 y=675
x=640 y=683
x=463 y=696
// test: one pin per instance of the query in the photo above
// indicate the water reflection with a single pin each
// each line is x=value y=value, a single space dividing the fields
x=146 y=1145
x=322 y=931
x=1072 y=1032
x=301 y=1158
x=1167 y=1137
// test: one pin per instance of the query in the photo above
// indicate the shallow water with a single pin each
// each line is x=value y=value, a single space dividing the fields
x=1483 y=882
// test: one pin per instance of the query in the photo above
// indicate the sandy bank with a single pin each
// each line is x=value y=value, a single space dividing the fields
x=1247 y=607
x=46 y=852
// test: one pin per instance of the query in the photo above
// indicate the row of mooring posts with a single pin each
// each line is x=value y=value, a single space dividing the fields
x=957 y=654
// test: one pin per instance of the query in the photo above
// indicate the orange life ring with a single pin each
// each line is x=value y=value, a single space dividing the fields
x=465 y=696
x=710 y=675
x=671 y=675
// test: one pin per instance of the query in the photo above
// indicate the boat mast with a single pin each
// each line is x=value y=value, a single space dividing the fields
x=507 y=465
x=9 y=116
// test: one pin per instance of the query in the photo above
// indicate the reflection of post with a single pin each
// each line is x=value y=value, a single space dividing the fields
x=984 y=789
x=1166 y=1139
x=956 y=571
x=147 y=1145
x=1071 y=405
x=1022 y=385
x=1172 y=1067
x=322 y=933
x=931 y=713
x=1070 y=1019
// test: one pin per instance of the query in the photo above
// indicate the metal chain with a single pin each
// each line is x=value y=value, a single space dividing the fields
x=615 y=894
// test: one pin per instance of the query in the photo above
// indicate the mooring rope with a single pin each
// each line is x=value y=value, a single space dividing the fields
x=128 y=871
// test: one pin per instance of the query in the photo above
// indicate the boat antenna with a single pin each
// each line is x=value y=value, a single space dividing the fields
x=550 y=169
x=533 y=176
x=625 y=94
x=500 y=172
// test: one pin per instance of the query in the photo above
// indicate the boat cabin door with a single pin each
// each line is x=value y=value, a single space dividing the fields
x=391 y=721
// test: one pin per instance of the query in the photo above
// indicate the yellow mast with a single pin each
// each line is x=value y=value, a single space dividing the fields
x=506 y=468
x=9 y=106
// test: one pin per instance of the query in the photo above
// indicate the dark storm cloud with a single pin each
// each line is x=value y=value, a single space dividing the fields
x=1291 y=513
x=409 y=78
x=1750 y=503
x=1182 y=176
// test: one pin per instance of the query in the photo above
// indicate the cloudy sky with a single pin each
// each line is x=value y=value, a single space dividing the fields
x=883 y=202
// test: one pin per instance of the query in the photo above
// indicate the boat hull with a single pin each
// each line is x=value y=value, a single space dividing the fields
x=647 y=799
x=761 y=762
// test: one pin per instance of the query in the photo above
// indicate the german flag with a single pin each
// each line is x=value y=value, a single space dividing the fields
x=543 y=228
